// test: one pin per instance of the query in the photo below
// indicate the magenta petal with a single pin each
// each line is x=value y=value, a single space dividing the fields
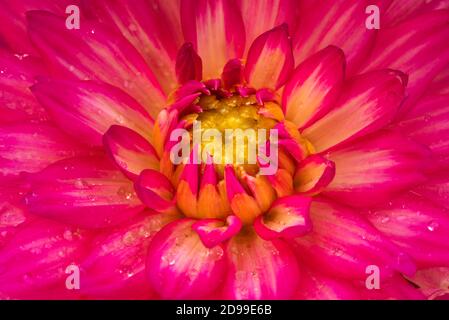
x=313 y=175
x=100 y=55
x=417 y=47
x=288 y=217
x=427 y=122
x=314 y=87
x=270 y=59
x=317 y=286
x=216 y=39
x=345 y=240
x=87 y=109
x=373 y=170
x=17 y=103
x=13 y=27
x=180 y=267
x=338 y=23
x=115 y=265
x=131 y=152
x=32 y=147
x=155 y=190
x=88 y=192
x=260 y=16
x=260 y=269
x=232 y=73
x=368 y=102
x=214 y=231
x=152 y=27
x=37 y=257
x=188 y=64
x=418 y=227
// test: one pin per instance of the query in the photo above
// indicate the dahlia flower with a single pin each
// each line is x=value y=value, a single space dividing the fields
x=87 y=181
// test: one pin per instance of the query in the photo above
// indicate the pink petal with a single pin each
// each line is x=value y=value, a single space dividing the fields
x=215 y=28
x=232 y=73
x=399 y=11
x=146 y=25
x=433 y=282
x=368 y=102
x=180 y=267
x=288 y=217
x=343 y=239
x=13 y=28
x=341 y=24
x=32 y=147
x=396 y=288
x=270 y=59
x=115 y=264
x=87 y=109
x=316 y=286
x=188 y=64
x=417 y=47
x=374 y=169
x=427 y=124
x=37 y=258
x=88 y=192
x=259 y=269
x=100 y=54
x=436 y=189
x=416 y=226
x=260 y=16
x=313 y=175
x=132 y=152
x=215 y=231
x=155 y=190
x=17 y=103
x=314 y=87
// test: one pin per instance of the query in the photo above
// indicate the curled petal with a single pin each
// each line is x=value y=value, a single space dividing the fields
x=282 y=182
x=87 y=192
x=433 y=282
x=86 y=109
x=368 y=102
x=188 y=187
x=179 y=266
x=260 y=269
x=212 y=201
x=261 y=190
x=314 y=87
x=232 y=73
x=156 y=191
x=214 y=231
x=188 y=64
x=242 y=204
x=130 y=151
x=270 y=59
x=313 y=175
x=288 y=217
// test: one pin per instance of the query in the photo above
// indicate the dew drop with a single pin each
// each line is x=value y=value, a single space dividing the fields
x=433 y=226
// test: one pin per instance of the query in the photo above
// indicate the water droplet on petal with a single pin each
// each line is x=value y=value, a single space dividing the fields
x=433 y=226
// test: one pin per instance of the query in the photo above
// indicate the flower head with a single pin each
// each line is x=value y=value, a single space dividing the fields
x=312 y=150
